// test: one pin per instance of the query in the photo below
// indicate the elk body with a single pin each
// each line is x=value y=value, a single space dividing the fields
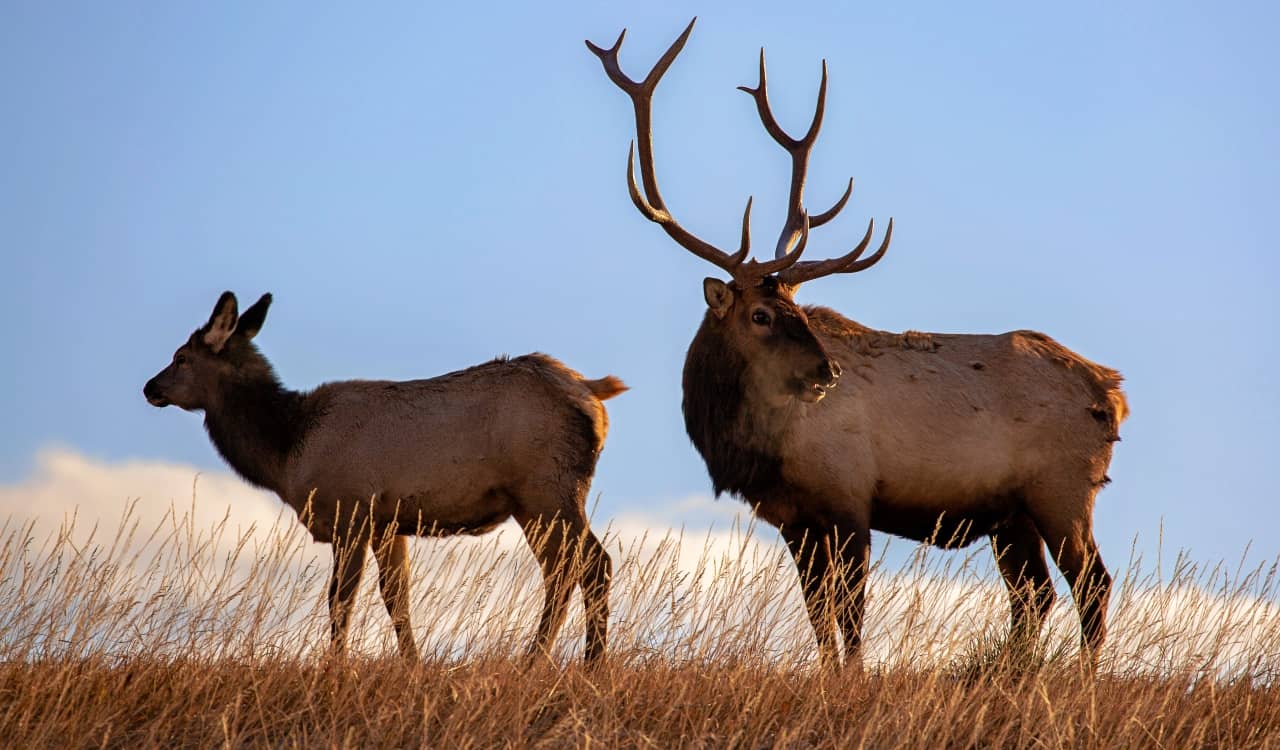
x=368 y=463
x=944 y=438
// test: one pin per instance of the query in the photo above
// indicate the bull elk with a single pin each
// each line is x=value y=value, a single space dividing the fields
x=942 y=438
x=367 y=463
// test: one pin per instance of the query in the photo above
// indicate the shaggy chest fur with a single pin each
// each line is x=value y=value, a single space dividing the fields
x=739 y=459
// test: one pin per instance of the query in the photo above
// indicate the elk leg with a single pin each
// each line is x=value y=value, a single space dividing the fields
x=853 y=553
x=551 y=545
x=597 y=570
x=348 y=566
x=392 y=554
x=810 y=549
x=1077 y=556
x=1019 y=553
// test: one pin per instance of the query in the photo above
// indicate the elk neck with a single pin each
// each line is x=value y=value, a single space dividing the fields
x=735 y=434
x=256 y=426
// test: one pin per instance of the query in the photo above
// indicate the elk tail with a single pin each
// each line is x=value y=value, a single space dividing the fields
x=605 y=388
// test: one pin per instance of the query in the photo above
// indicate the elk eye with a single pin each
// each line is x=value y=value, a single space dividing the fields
x=179 y=359
x=760 y=318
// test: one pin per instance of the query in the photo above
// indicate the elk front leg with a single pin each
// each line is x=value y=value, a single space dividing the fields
x=348 y=566
x=852 y=553
x=812 y=554
x=392 y=554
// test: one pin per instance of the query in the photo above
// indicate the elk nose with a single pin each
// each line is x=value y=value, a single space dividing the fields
x=829 y=370
x=151 y=392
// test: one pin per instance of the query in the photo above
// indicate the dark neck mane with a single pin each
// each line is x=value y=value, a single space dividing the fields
x=719 y=422
x=256 y=427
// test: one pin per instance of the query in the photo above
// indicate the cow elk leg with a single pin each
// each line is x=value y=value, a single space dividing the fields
x=597 y=571
x=392 y=554
x=348 y=566
x=551 y=542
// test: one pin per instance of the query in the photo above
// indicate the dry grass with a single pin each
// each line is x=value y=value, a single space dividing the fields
x=182 y=636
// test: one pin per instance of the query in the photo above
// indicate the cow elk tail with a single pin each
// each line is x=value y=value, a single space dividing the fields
x=605 y=388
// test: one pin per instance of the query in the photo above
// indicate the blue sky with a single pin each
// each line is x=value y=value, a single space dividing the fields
x=423 y=188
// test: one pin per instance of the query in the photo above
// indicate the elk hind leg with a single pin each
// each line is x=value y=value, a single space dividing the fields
x=392 y=554
x=1076 y=553
x=1019 y=553
x=596 y=573
x=551 y=540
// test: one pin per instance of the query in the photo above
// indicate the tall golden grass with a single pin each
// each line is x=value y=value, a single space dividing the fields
x=182 y=635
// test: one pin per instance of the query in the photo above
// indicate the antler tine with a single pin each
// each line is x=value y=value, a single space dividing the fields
x=757 y=269
x=847 y=263
x=761 y=95
x=813 y=269
x=799 y=150
x=863 y=265
x=744 y=248
x=609 y=58
x=656 y=215
x=830 y=213
x=693 y=244
x=650 y=203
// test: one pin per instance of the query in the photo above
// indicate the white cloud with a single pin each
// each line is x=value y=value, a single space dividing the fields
x=67 y=486
x=203 y=561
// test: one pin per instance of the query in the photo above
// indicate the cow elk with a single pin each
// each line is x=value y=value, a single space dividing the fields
x=368 y=463
x=943 y=438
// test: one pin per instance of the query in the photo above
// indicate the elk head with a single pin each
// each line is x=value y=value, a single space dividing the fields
x=219 y=354
x=755 y=313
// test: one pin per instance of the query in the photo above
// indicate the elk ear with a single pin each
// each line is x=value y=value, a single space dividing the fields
x=222 y=323
x=253 y=318
x=719 y=296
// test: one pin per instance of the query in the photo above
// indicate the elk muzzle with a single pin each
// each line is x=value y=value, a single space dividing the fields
x=813 y=388
x=152 y=393
x=156 y=391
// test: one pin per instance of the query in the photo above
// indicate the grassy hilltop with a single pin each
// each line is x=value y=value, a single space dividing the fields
x=202 y=637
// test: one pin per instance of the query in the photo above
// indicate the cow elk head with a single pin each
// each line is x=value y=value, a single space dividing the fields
x=218 y=354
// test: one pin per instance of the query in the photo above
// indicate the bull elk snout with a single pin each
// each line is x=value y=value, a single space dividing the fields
x=829 y=371
x=813 y=387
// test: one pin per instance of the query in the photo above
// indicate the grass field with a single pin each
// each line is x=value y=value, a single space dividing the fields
x=182 y=635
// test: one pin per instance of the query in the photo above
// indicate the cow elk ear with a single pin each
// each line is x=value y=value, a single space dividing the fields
x=222 y=323
x=253 y=318
x=719 y=296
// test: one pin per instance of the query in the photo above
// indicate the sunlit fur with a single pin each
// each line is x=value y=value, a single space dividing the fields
x=946 y=438
x=368 y=462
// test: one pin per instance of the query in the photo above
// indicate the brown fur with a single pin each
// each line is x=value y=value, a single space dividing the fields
x=605 y=388
x=938 y=437
x=369 y=462
x=946 y=438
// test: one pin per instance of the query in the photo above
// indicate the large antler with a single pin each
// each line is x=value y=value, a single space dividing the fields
x=786 y=262
x=650 y=203
x=793 y=228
